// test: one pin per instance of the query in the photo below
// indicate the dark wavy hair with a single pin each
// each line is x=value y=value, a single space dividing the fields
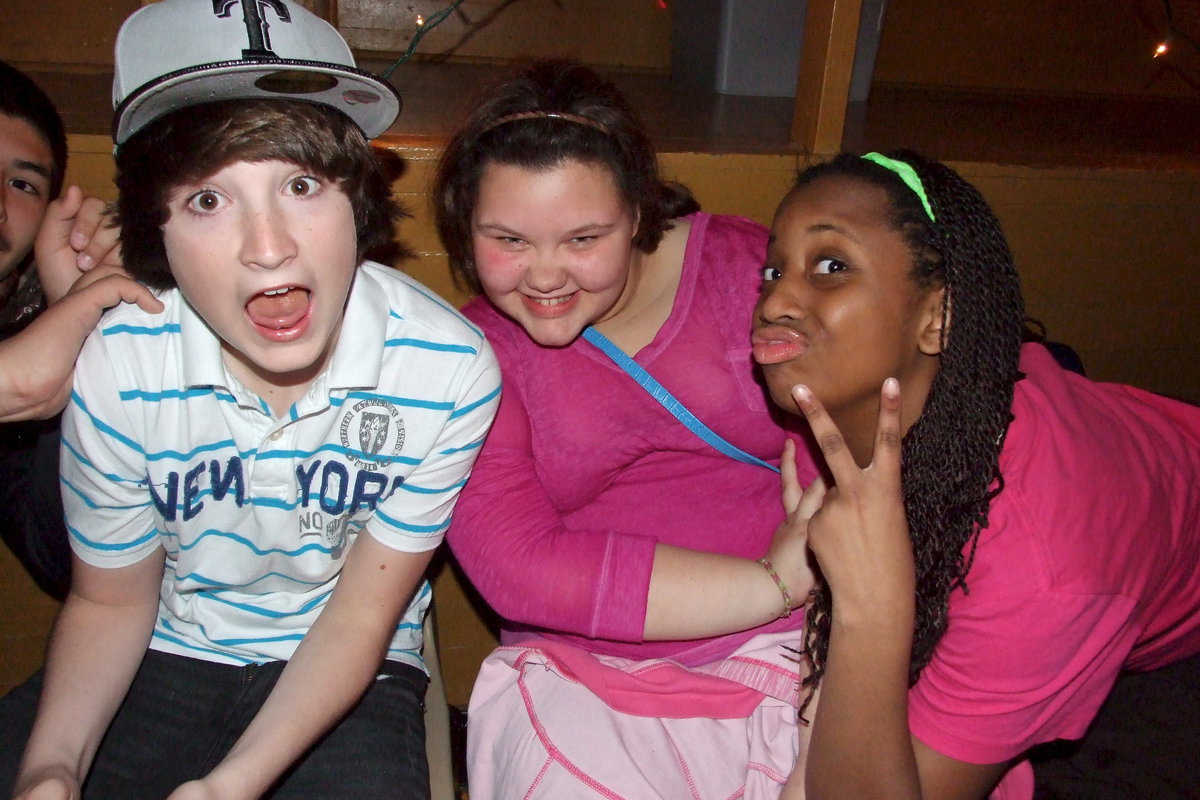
x=950 y=456
x=616 y=142
x=23 y=99
x=194 y=142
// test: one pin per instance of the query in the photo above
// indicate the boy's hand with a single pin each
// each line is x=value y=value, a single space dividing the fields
x=223 y=783
x=52 y=783
x=77 y=235
x=37 y=365
x=195 y=790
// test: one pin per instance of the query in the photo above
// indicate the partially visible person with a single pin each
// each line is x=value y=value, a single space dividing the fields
x=56 y=251
x=647 y=602
x=255 y=479
x=1003 y=538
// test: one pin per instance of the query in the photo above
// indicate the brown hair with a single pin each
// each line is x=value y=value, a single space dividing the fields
x=197 y=141
x=548 y=113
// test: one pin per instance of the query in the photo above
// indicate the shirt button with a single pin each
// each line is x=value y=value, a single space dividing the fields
x=274 y=437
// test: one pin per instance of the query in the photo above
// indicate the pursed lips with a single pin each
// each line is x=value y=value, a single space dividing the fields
x=774 y=344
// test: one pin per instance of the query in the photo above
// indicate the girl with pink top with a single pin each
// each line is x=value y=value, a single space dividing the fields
x=645 y=593
x=1005 y=537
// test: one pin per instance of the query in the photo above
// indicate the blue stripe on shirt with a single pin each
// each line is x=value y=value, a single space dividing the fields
x=467 y=409
x=141 y=330
x=437 y=347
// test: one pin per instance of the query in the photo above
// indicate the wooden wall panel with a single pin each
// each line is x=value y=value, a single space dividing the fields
x=1049 y=47
x=63 y=34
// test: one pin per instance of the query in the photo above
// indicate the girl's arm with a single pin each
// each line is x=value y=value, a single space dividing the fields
x=349 y=639
x=728 y=591
x=861 y=746
x=506 y=529
x=98 y=642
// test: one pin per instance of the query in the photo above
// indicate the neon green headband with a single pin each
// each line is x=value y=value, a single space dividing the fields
x=907 y=174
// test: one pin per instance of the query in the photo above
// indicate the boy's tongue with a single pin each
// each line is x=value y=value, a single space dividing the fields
x=279 y=311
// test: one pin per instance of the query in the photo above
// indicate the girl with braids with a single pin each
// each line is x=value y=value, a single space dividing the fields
x=608 y=535
x=1002 y=537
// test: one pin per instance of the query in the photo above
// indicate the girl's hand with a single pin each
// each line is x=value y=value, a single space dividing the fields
x=860 y=533
x=789 y=547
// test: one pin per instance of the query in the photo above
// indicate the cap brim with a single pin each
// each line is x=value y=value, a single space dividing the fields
x=372 y=103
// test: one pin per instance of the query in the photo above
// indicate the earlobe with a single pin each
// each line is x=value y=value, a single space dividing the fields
x=936 y=315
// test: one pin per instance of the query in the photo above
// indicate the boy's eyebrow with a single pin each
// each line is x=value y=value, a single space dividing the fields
x=32 y=166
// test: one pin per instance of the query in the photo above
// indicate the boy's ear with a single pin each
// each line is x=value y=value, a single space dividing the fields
x=930 y=337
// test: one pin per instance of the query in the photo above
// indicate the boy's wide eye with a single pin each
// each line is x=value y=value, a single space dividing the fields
x=303 y=185
x=204 y=201
x=770 y=273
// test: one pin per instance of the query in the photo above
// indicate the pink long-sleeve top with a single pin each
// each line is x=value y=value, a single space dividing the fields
x=583 y=472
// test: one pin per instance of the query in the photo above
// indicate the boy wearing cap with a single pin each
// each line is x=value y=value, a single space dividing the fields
x=254 y=479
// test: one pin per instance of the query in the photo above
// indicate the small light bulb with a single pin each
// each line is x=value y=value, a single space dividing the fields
x=1161 y=50
x=420 y=21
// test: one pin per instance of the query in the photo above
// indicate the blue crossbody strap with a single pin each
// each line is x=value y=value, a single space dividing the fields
x=668 y=401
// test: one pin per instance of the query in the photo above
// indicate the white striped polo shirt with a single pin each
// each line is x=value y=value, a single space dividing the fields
x=162 y=445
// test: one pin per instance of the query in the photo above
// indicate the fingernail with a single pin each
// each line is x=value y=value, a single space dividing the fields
x=801 y=393
x=892 y=387
x=78 y=240
x=84 y=261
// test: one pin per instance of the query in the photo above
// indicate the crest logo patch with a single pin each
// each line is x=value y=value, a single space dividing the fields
x=372 y=432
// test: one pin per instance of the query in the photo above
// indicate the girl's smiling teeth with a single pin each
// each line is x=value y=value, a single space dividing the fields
x=552 y=301
x=551 y=307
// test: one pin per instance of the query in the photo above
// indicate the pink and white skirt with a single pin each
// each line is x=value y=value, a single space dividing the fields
x=548 y=720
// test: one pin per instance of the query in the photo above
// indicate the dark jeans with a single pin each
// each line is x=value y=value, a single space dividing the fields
x=1143 y=745
x=182 y=716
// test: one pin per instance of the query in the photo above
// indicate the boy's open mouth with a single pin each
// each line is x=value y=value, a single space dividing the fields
x=279 y=309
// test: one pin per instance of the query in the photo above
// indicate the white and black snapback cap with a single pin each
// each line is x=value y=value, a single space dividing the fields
x=178 y=53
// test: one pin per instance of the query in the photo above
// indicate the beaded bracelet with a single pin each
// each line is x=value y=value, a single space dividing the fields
x=788 y=606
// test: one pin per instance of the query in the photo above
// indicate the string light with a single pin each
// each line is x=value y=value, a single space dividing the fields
x=1164 y=46
x=424 y=26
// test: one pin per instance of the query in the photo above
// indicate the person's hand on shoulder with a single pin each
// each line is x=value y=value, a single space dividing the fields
x=37 y=365
x=78 y=234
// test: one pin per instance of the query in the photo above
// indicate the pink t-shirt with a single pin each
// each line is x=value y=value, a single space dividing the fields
x=583 y=472
x=1088 y=567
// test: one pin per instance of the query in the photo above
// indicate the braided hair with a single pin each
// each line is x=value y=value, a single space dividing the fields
x=950 y=456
